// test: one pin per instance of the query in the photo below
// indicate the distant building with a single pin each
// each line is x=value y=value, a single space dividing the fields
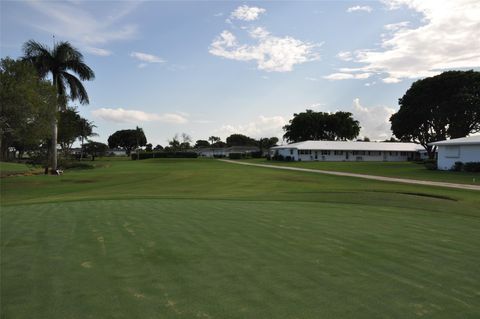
x=117 y=152
x=465 y=149
x=225 y=151
x=350 y=151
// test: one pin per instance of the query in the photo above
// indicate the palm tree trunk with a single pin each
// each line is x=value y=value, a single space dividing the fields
x=81 y=149
x=54 y=131
x=54 y=144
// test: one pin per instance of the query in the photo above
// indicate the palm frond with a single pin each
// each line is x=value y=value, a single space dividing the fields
x=80 y=68
x=77 y=90
x=39 y=55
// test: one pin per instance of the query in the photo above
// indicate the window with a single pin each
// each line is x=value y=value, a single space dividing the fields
x=325 y=152
x=338 y=152
x=374 y=153
x=403 y=153
x=291 y=151
x=358 y=152
x=393 y=153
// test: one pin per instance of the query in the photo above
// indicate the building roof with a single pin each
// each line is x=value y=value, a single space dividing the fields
x=469 y=140
x=353 y=146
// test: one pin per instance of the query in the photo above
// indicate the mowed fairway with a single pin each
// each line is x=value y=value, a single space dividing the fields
x=208 y=239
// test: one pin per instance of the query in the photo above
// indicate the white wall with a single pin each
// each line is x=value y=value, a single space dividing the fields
x=448 y=155
x=317 y=156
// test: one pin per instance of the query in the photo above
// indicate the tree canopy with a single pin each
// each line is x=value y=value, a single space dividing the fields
x=95 y=149
x=127 y=139
x=439 y=107
x=26 y=105
x=240 y=140
x=310 y=125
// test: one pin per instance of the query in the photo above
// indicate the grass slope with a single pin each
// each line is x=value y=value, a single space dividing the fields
x=206 y=239
x=409 y=170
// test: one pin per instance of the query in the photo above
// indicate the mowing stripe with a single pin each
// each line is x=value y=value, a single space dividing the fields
x=372 y=177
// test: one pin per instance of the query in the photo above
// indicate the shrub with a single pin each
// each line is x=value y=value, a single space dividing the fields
x=219 y=156
x=256 y=154
x=430 y=164
x=75 y=165
x=472 y=167
x=146 y=155
x=236 y=156
x=278 y=157
x=457 y=167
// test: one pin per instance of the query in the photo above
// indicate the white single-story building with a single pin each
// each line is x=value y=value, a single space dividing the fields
x=225 y=151
x=464 y=149
x=349 y=151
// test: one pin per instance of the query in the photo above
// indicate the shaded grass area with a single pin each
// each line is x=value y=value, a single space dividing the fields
x=206 y=239
x=10 y=168
x=409 y=170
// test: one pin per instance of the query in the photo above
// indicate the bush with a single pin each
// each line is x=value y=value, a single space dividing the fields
x=219 y=156
x=472 y=167
x=146 y=155
x=278 y=157
x=236 y=156
x=256 y=154
x=430 y=164
x=457 y=167
x=75 y=165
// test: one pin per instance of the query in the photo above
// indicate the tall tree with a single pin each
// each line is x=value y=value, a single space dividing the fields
x=127 y=139
x=26 y=105
x=58 y=62
x=95 y=149
x=68 y=129
x=439 y=107
x=86 y=131
x=267 y=142
x=310 y=125
x=240 y=140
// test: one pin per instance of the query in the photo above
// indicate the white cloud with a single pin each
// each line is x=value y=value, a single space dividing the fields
x=373 y=120
x=359 y=8
x=309 y=78
x=146 y=58
x=247 y=13
x=84 y=28
x=98 y=51
x=219 y=14
x=447 y=39
x=271 y=53
x=120 y=115
x=345 y=56
x=263 y=126
x=346 y=76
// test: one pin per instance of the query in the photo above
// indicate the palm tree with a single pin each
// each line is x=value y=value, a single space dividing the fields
x=85 y=130
x=57 y=62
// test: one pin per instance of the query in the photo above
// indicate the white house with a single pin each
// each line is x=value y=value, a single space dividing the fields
x=349 y=151
x=225 y=151
x=465 y=149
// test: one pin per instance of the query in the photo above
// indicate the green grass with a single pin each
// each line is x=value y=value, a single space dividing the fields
x=206 y=239
x=409 y=170
x=8 y=168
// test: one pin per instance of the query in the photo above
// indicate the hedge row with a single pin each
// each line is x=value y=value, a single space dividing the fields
x=467 y=167
x=146 y=155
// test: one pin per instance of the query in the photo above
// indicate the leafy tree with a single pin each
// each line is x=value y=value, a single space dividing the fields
x=439 y=107
x=57 y=62
x=158 y=148
x=266 y=143
x=127 y=139
x=201 y=143
x=186 y=140
x=148 y=147
x=68 y=129
x=95 y=149
x=214 y=139
x=240 y=140
x=26 y=105
x=85 y=131
x=310 y=125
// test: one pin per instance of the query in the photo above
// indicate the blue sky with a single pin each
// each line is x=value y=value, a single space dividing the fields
x=220 y=67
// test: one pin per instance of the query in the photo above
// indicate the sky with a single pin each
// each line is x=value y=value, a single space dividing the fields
x=220 y=67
